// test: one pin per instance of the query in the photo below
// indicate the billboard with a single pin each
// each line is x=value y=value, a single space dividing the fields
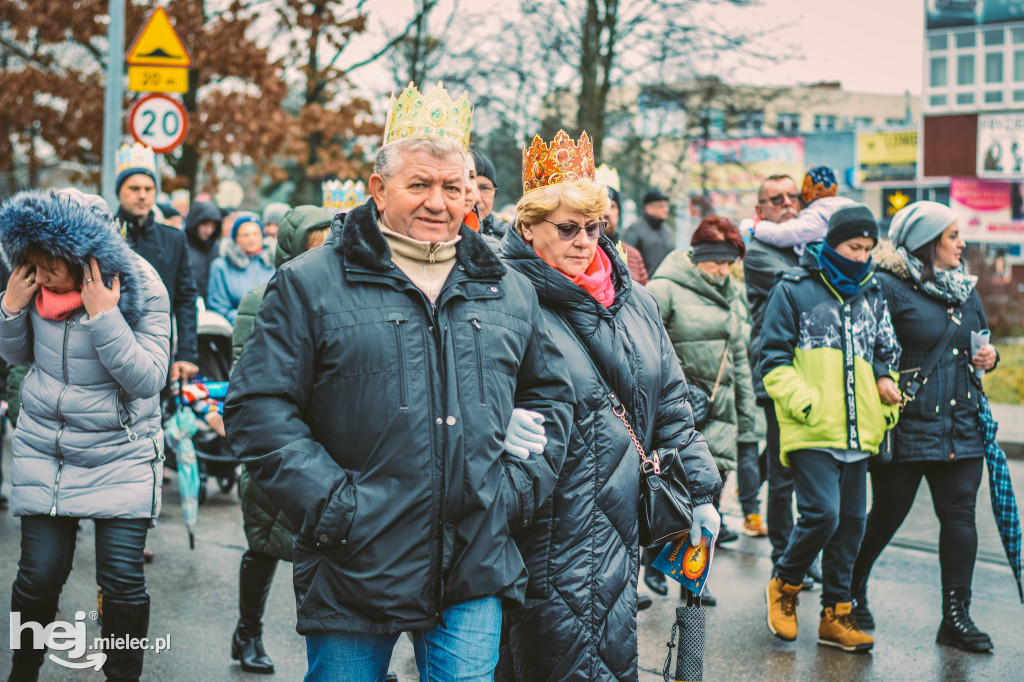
x=985 y=210
x=950 y=13
x=888 y=156
x=741 y=165
x=1001 y=146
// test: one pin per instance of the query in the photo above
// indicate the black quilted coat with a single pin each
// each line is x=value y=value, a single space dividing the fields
x=579 y=619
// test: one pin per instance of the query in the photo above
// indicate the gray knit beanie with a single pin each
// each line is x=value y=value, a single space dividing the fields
x=919 y=223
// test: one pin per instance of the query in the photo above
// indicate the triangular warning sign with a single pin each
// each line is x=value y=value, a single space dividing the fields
x=157 y=44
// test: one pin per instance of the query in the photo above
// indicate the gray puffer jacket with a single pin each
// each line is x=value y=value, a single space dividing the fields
x=88 y=442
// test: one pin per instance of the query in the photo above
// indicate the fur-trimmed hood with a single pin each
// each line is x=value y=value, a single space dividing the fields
x=888 y=260
x=74 y=232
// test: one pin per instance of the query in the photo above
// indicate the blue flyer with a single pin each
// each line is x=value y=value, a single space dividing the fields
x=685 y=563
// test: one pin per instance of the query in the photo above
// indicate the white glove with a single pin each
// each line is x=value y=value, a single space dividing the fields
x=705 y=516
x=525 y=434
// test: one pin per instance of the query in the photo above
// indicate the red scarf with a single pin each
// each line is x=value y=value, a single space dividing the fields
x=596 y=279
x=53 y=306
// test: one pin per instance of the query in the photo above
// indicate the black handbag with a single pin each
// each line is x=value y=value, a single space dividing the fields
x=666 y=509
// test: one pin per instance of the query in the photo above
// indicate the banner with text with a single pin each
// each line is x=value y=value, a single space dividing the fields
x=741 y=165
x=887 y=157
x=1001 y=146
x=985 y=211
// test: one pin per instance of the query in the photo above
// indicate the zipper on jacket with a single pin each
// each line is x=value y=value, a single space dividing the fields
x=398 y=319
x=60 y=431
x=153 y=465
x=479 y=358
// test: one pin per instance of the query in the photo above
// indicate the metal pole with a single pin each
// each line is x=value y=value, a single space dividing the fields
x=112 y=100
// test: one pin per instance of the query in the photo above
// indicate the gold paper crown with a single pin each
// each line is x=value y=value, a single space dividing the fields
x=607 y=176
x=343 y=196
x=563 y=161
x=414 y=115
x=136 y=156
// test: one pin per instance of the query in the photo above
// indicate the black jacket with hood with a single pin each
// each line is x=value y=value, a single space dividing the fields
x=581 y=551
x=165 y=249
x=941 y=423
x=202 y=252
x=375 y=420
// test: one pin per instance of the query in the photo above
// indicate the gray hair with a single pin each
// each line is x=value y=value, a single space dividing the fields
x=389 y=157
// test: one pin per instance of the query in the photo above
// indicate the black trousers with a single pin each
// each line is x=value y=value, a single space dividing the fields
x=954 y=488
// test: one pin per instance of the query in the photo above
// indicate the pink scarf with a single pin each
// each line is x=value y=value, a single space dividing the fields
x=597 y=279
x=53 y=306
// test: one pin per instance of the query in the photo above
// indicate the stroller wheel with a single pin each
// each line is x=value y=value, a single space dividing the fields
x=226 y=483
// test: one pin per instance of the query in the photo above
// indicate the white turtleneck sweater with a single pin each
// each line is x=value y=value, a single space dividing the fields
x=427 y=265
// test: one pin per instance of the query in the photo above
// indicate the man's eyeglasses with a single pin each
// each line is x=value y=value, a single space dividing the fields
x=780 y=199
x=568 y=231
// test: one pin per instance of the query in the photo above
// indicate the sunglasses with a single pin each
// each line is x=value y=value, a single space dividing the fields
x=780 y=199
x=568 y=231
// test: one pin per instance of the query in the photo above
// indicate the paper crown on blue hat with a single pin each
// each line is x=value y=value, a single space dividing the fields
x=343 y=196
x=137 y=156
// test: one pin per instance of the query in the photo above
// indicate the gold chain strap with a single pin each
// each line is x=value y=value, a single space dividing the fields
x=619 y=410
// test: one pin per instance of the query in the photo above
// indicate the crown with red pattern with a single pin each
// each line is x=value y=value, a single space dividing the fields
x=560 y=162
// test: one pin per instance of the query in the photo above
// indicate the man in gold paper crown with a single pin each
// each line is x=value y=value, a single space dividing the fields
x=163 y=246
x=400 y=400
x=582 y=549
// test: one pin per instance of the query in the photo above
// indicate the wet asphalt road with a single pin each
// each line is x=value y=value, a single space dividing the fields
x=195 y=601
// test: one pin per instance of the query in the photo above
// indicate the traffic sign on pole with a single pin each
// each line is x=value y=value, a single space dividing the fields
x=159 y=122
x=157 y=79
x=158 y=44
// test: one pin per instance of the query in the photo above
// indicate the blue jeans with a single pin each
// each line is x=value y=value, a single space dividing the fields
x=831 y=497
x=48 y=547
x=466 y=649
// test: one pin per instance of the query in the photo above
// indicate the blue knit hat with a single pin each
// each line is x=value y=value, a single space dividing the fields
x=819 y=182
x=123 y=176
x=242 y=220
x=915 y=225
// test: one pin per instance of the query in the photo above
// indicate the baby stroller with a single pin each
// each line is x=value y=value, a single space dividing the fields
x=212 y=455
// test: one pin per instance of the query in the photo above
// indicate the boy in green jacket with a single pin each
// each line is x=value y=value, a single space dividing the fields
x=829 y=362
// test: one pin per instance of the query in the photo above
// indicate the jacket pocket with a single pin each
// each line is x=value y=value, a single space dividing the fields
x=399 y=321
x=477 y=329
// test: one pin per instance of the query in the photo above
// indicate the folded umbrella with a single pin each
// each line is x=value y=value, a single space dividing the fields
x=1004 y=505
x=180 y=428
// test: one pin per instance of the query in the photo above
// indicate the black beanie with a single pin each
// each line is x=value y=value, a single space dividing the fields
x=851 y=221
x=483 y=165
x=613 y=196
x=652 y=195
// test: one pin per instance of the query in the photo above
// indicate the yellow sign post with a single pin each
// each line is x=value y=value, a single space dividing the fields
x=157 y=60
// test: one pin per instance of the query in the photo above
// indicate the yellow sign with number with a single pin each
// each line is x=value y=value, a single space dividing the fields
x=157 y=79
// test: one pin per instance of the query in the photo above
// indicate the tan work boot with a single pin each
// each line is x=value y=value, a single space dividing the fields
x=782 y=601
x=839 y=628
x=754 y=527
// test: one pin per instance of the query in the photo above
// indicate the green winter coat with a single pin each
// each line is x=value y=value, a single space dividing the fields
x=267 y=529
x=703 y=321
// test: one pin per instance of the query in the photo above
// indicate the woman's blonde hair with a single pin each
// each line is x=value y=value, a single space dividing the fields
x=584 y=196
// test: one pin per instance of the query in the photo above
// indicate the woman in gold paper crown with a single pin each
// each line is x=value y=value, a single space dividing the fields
x=581 y=550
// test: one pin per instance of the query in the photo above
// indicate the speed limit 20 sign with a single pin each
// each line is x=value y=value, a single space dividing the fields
x=159 y=122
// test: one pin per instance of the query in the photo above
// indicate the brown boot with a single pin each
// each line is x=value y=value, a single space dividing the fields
x=782 y=601
x=839 y=628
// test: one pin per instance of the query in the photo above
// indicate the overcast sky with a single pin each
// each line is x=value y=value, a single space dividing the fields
x=867 y=45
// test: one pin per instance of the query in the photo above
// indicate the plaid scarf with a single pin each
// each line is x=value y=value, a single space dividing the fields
x=953 y=285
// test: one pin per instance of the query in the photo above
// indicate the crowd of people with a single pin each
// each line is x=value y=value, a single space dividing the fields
x=513 y=373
